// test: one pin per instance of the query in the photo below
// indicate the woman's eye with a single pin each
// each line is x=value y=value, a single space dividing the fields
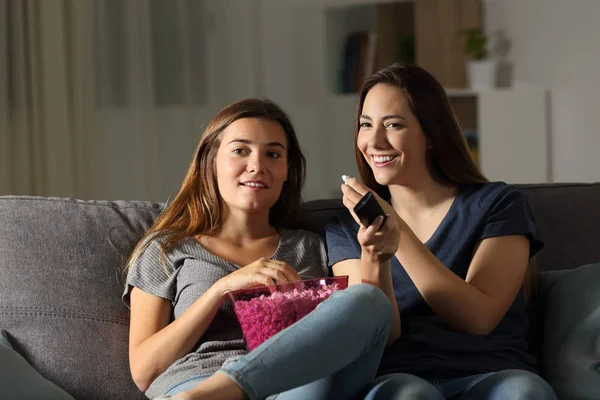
x=273 y=154
x=239 y=151
x=364 y=125
x=394 y=125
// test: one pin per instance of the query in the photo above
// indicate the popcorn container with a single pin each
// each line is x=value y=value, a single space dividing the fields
x=263 y=311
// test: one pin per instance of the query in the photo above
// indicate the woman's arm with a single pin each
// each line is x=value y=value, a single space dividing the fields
x=379 y=275
x=475 y=305
x=378 y=243
x=154 y=343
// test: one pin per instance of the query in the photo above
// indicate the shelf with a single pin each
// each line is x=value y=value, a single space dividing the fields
x=462 y=92
x=364 y=36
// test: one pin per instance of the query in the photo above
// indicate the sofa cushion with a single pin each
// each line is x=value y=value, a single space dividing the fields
x=571 y=352
x=61 y=280
x=19 y=380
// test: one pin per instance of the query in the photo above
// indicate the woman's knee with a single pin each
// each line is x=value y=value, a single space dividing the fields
x=515 y=384
x=403 y=386
x=372 y=299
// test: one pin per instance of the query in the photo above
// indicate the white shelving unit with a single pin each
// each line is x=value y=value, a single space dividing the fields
x=514 y=140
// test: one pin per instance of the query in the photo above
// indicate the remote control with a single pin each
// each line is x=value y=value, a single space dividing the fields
x=367 y=209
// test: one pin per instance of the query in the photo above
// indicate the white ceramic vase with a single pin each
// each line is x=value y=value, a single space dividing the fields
x=482 y=74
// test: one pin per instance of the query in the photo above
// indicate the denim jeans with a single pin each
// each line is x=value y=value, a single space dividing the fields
x=503 y=385
x=332 y=353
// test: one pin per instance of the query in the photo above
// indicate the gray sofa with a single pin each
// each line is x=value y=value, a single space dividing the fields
x=61 y=280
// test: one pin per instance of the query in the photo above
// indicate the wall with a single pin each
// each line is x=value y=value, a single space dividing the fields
x=265 y=48
x=555 y=45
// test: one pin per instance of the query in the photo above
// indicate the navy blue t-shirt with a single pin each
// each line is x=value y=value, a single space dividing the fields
x=428 y=347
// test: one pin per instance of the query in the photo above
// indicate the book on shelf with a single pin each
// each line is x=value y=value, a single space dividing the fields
x=358 y=60
x=390 y=39
x=425 y=33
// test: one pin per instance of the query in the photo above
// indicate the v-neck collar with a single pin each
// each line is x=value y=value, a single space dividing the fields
x=445 y=221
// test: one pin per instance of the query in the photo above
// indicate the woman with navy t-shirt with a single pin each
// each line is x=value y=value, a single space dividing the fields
x=452 y=254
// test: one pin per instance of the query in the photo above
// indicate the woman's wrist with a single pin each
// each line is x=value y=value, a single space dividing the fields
x=370 y=282
x=372 y=271
x=376 y=259
x=219 y=289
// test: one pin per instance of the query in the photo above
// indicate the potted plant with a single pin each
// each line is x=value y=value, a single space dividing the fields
x=481 y=70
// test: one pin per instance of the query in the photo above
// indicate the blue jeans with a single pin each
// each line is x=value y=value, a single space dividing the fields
x=510 y=384
x=332 y=353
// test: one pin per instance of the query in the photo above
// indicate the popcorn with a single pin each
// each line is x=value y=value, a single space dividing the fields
x=267 y=313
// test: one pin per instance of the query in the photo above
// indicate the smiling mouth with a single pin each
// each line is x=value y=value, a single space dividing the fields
x=379 y=160
x=257 y=185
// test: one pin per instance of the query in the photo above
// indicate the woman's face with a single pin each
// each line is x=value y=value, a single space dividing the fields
x=390 y=137
x=251 y=164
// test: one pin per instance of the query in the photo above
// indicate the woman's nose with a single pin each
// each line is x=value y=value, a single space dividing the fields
x=256 y=164
x=378 y=137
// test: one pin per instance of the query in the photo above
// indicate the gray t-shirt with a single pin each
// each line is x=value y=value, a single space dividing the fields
x=192 y=271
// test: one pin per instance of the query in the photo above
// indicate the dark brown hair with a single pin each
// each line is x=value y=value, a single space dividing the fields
x=449 y=158
x=197 y=208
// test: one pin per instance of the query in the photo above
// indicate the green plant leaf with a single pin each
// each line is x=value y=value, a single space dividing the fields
x=475 y=43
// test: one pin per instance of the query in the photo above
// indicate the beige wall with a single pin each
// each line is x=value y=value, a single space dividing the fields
x=555 y=44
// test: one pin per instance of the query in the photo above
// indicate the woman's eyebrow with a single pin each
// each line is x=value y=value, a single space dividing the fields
x=246 y=141
x=392 y=116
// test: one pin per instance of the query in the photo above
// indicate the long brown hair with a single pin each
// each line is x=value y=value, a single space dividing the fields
x=197 y=208
x=449 y=158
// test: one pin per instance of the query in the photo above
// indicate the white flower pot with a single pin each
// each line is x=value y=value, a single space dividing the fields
x=482 y=74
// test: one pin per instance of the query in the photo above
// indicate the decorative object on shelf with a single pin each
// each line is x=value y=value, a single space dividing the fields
x=481 y=69
x=500 y=50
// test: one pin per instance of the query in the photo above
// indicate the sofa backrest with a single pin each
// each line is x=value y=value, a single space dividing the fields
x=60 y=289
x=568 y=216
x=61 y=275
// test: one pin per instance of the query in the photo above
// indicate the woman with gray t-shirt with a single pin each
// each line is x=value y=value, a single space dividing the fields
x=227 y=229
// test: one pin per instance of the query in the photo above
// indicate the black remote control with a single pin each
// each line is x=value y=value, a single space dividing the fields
x=367 y=209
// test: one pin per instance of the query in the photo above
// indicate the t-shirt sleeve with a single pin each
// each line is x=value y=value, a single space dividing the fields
x=306 y=254
x=152 y=273
x=339 y=243
x=322 y=255
x=512 y=215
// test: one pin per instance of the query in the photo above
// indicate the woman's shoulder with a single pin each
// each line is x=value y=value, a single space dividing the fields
x=342 y=219
x=157 y=247
x=505 y=210
x=489 y=192
x=155 y=266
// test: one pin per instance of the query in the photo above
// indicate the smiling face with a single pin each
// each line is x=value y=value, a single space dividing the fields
x=390 y=137
x=251 y=164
